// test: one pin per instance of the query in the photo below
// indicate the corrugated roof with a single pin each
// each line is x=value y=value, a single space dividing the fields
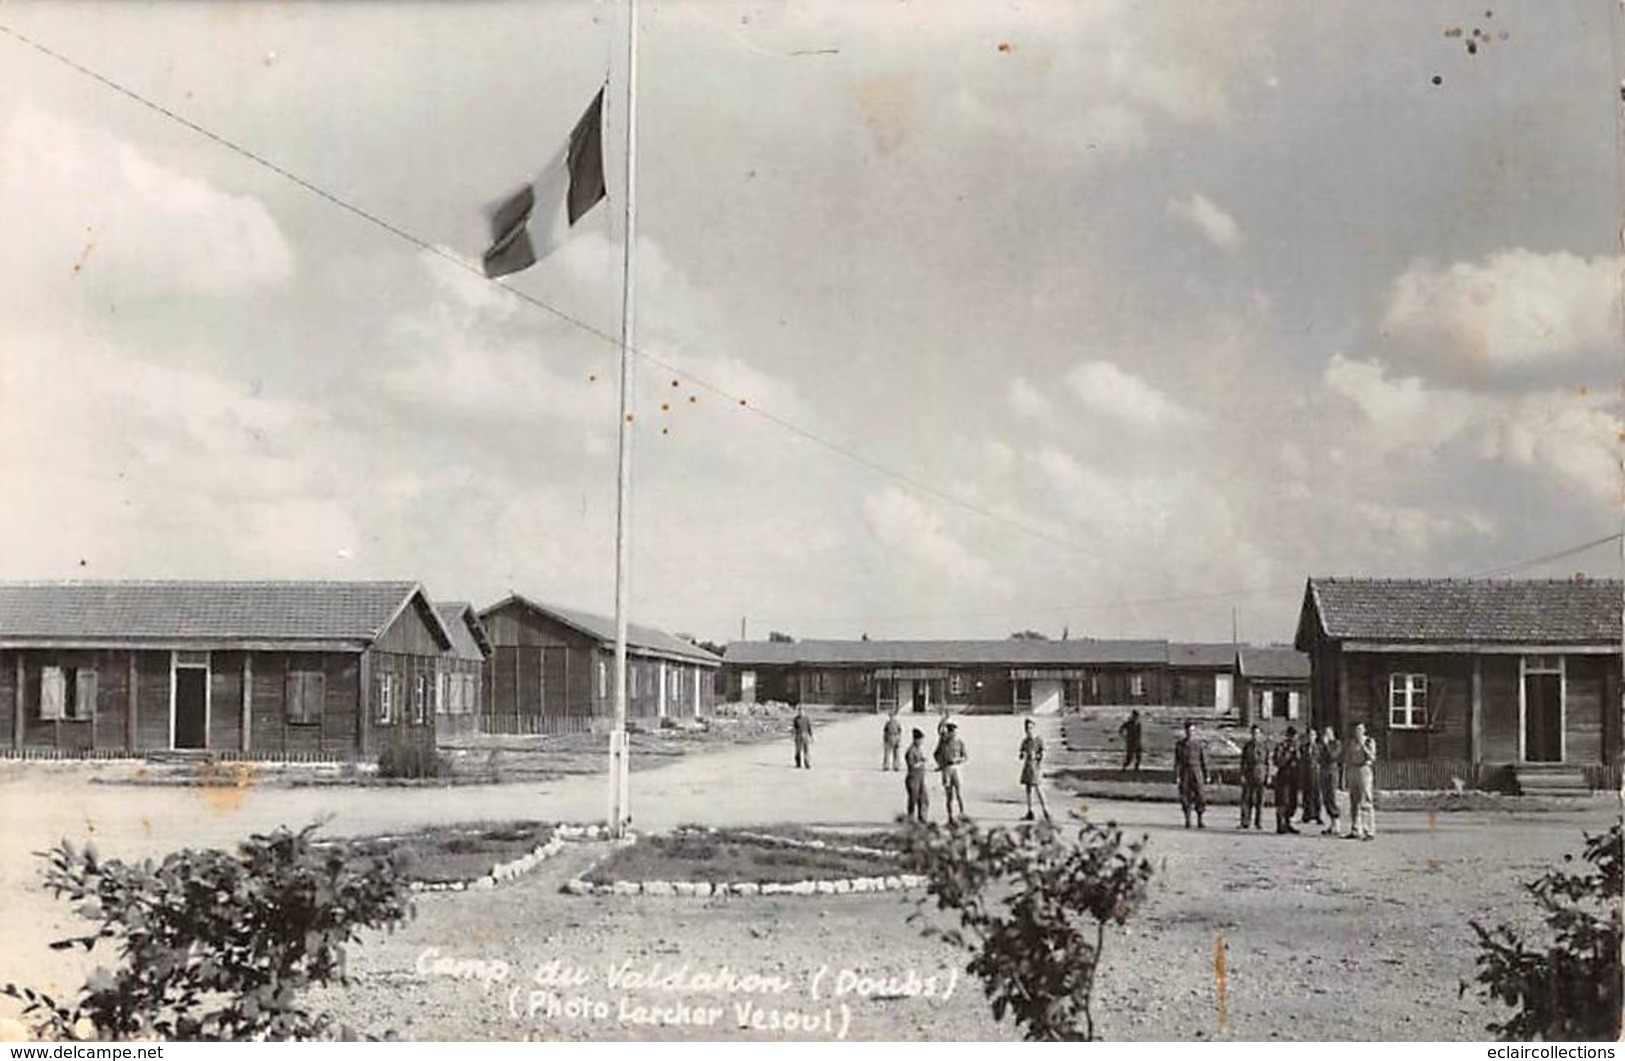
x=1011 y=652
x=646 y=638
x=468 y=640
x=1510 y=611
x=1273 y=661
x=105 y=612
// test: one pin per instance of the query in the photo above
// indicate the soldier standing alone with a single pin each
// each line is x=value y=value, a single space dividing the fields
x=1255 y=771
x=1032 y=763
x=1190 y=774
x=1285 y=758
x=1130 y=730
x=801 y=732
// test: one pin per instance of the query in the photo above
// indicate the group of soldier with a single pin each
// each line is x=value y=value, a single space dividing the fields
x=1306 y=773
x=947 y=758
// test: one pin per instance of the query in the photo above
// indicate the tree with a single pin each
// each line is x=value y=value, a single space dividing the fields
x=1570 y=989
x=215 y=945
x=1033 y=910
x=774 y=635
x=1029 y=635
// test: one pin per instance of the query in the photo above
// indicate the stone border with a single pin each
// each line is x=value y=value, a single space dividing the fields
x=500 y=872
x=504 y=871
x=727 y=889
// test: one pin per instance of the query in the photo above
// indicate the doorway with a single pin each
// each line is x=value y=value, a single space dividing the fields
x=1542 y=703
x=191 y=719
x=1046 y=697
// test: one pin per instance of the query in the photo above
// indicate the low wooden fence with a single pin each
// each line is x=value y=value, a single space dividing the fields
x=515 y=725
x=40 y=754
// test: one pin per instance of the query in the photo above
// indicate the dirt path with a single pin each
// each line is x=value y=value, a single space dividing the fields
x=1322 y=939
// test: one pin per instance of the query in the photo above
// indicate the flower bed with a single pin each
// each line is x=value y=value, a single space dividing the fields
x=458 y=857
x=710 y=862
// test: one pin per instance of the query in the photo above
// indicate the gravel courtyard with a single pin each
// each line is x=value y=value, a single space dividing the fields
x=1321 y=939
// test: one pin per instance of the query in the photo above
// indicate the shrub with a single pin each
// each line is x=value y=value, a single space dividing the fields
x=1033 y=910
x=215 y=945
x=411 y=761
x=1569 y=990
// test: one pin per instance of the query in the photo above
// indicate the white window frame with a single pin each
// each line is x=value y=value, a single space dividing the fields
x=58 y=677
x=385 y=711
x=1541 y=664
x=1416 y=715
x=1136 y=684
x=956 y=684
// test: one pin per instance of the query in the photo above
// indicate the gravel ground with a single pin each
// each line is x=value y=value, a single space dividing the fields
x=1323 y=940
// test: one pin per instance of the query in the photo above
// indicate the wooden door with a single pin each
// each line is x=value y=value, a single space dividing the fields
x=1543 y=718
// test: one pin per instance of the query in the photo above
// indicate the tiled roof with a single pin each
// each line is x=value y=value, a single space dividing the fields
x=468 y=640
x=1447 y=611
x=1010 y=652
x=637 y=637
x=200 y=611
x=1201 y=654
x=1273 y=661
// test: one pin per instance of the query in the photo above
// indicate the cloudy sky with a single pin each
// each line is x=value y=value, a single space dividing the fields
x=1101 y=316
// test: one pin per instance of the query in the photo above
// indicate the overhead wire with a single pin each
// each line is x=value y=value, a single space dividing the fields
x=738 y=401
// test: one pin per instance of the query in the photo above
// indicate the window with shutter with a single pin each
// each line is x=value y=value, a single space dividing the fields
x=84 y=693
x=52 y=692
x=305 y=691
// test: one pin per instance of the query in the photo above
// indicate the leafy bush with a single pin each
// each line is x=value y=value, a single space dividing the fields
x=215 y=945
x=411 y=761
x=1033 y=909
x=1569 y=990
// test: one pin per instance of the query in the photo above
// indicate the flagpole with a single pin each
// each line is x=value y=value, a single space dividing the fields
x=619 y=765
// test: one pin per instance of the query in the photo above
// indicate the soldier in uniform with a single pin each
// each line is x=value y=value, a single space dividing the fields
x=1309 y=775
x=919 y=799
x=1032 y=762
x=1255 y=772
x=951 y=755
x=1285 y=759
x=1130 y=730
x=801 y=733
x=891 y=736
x=1328 y=765
x=1190 y=775
x=1359 y=768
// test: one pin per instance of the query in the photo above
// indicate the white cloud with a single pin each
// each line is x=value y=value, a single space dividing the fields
x=104 y=216
x=1516 y=312
x=915 y=530
x=1572 y=435
x=1027 y=400
x=1215 y=225
x=1106 y=390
